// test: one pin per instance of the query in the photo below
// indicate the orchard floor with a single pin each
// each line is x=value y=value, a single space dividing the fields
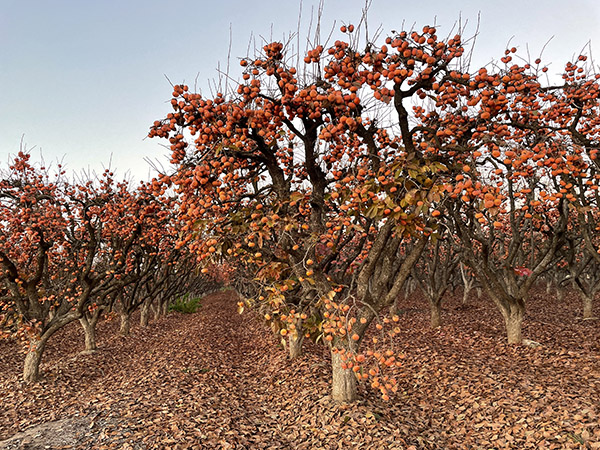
x=217 y=380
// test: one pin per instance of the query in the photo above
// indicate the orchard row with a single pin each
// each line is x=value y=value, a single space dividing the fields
x=325 y=189
x=77 y=251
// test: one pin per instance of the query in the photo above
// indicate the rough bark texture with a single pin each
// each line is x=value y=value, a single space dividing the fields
x=156 y=312
x=295 y=344
x=31 y=368
x=513 y=320
x=89 y=331
x=588 y=312
x=465 y=297
x=344 y=381
x=436 y=309
x=125 y=327
x=144 y=314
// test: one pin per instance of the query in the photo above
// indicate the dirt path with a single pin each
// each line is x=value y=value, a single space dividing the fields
x=207 y=380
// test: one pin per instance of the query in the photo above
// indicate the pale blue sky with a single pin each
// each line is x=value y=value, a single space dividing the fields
x=84 y=79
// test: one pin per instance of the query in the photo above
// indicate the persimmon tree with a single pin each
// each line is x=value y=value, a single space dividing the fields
x=68 y=249
x=33 y=226
x=150 y=215
x=322 y=177
x=126 y=223
x=51 y=239
x=523 y=142
x=91 y=206
x=583 y=274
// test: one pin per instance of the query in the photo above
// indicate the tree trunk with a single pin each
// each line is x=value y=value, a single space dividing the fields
x=89 y=331
x=466 y=292
x=164 y=308
x=395 y=308
x=145 y=313
x=436 y=309
x=295 y=344
x=125 y=328
x=31 y=368
x=409 y=288
x=560 y=294
x=467 y=284
x=587 y=306
x=344 y=381
x=156 y=311
x=513 y=319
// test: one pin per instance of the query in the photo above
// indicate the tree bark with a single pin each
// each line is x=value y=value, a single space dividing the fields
x=513 y=319
x=145 y=313
x=31 y=368
x=436 y=309
x=343 y=382
x=409 y=288
x=125 y=327
x=89 y=331
x=467 y=284
x=156 y=311
x=164 y=308
x=465 y=297
x=395 y=308
x=295 y=341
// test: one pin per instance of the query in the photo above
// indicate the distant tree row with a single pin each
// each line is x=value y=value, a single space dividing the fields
x=76 y=250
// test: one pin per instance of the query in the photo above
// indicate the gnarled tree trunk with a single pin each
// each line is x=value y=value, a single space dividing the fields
x=89 y=331
x=125 y=327
x=465 y=297
x=31 y=368
x=513 y=320
x=33 y=358
x=436 y=309
x=344 y=381
x=88 y=323
x=156 y=311
x=145 y=313
x=295 y=341
x=467 y=284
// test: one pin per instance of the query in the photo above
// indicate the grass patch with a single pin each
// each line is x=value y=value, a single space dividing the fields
x=186 y=305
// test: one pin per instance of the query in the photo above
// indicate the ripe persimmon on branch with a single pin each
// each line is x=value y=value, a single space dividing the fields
x=319 y=179
x=68 y=249
x=529 y=172
x=328 y=181
x=46 y=255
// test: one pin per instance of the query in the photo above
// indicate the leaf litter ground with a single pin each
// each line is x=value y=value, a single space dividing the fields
x=217 y=380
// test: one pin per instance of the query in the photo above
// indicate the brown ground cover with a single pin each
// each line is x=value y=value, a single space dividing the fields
x=216 y=379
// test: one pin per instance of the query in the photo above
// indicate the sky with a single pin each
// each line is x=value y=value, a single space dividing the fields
x=81 y=81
